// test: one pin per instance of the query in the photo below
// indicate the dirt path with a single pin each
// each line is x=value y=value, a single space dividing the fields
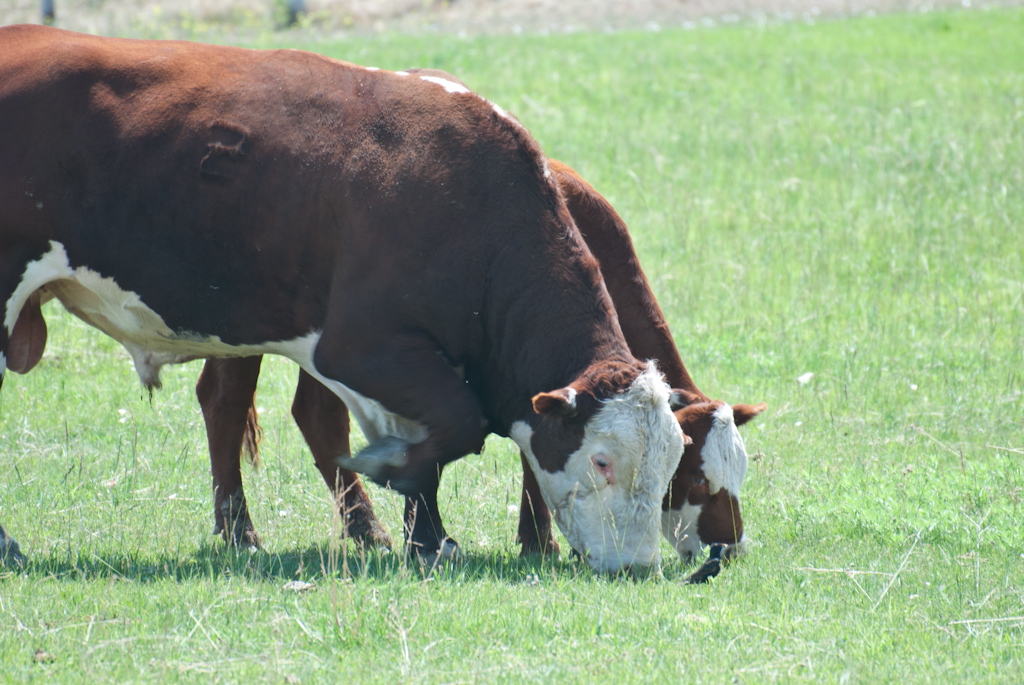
x=146 y=17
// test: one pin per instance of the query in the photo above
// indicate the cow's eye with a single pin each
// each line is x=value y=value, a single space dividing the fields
x=601 y=462
x=699 y=480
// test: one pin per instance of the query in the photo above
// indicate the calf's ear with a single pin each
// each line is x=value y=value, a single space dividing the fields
x=680 y=399
x=744 y=412
x=561 y=402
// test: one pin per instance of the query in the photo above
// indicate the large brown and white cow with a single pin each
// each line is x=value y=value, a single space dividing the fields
x=380 y=229
x=701 y=506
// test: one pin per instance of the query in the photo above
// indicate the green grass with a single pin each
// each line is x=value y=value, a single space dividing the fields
x=845 y=199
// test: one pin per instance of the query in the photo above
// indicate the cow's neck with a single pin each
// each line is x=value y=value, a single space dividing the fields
x=539 y=343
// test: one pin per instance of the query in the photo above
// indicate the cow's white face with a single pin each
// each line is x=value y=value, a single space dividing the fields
x=606 y=497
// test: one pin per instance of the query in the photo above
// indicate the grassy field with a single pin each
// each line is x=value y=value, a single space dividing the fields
x=844 y=199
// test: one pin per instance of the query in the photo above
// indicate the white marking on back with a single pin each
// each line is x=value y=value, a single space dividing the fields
x=401 y=73
x=449 y=86
x=503 y=113
x=724 y=454
x=453 y=87
x=372 y=68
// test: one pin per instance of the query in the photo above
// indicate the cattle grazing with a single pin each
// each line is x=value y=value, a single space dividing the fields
x=397 y=236
x=702 y=503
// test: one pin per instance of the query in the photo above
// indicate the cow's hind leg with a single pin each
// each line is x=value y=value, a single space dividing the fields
x=20 y=350
x=323 y=419
x=226 y=389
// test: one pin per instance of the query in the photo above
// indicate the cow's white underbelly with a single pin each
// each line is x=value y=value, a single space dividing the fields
x=122 y=315
x=375 y=421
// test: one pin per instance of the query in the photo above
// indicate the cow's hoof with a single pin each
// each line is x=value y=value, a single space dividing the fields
x=231 y=521
x=533 y=548
x=363 y=527
x=239 y=533
x=448 y=553
x=10 y=551
x=249 y=539
x=243 y=539
x=378 y=461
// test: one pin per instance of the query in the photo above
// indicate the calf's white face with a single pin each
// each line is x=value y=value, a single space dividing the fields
x=606 y=497
x=679 y=526
x=710 y=511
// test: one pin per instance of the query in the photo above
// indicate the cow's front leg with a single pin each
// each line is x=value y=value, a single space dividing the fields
x=424 y=529
x=323 y=419
x=414 y=391
x=226 y=389
x=535 y=532
x=422 y=416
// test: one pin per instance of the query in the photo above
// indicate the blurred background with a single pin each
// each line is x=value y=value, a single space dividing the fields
x=194 y=18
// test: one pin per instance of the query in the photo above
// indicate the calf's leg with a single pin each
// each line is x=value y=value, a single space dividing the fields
x=323 y=419
x=226 y=391
x=535 y=532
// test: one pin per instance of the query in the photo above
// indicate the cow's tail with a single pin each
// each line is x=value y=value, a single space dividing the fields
x=252 y=436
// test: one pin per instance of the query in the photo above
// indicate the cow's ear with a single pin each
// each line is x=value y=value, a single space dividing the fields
x=744 y=412
x=680 y=399
x=561 y=402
